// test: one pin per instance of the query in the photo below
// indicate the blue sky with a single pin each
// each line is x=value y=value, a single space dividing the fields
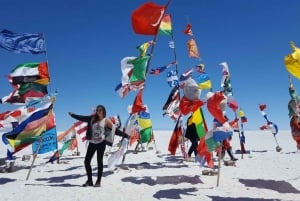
x=86 y=40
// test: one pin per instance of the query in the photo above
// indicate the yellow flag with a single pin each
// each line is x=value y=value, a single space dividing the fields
x=292 y=61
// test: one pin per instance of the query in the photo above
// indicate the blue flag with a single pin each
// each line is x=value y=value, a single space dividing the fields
x=33 y=43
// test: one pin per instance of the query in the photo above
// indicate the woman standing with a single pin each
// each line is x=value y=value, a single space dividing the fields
x=100 y=132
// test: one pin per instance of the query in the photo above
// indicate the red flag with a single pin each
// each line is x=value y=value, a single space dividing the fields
x=262 y=107
x=138 y=103
x=204 y=152
x=188 y=30
x=174 y=141
x=186 y=106
x=213 y=106
x=146 y=18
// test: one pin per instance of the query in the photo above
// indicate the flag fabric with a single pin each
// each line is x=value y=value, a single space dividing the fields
x=232 y=104
x=138 y=72
x=190 y=89
x=175 y=137
x=242 y=116
x=198 y=119
x=30 y=72
x=134 y=71
x=203 y=80
x=10 y=119
x=171 y=106
x=270 y=125
x=186 y=105
x=138 y=106
x=292 y=61
x=186 y=75
x=133 y=75
x=25 y=93
x=146 y=19
x=80 y=129
x=122 y=90
x=172 y=78
x=28 y=130
x=188 y=30
x=33 y=43
x=144 y=47
x=205 y=153
x=48 y=141
x=192 y=49
x=54 y=157
x=158 y=70
x=171 y=44
x=213 y=106
x=145 y=124
x=131 y=127
x=225 y=81
x=220 y=134
x=165 y=27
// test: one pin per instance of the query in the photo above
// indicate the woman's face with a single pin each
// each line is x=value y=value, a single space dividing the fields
x=99 y=112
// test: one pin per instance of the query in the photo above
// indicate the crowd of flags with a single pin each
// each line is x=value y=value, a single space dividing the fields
x=33 y=123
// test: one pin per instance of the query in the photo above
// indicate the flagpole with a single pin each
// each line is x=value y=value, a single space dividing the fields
x=34 y=157
x=219 y=164
x=155 y=39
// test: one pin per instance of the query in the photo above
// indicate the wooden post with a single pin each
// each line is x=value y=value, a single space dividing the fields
x=34 y=157
x=219 y=164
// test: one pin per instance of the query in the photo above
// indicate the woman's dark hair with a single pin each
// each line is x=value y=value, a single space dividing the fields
x=95 y=117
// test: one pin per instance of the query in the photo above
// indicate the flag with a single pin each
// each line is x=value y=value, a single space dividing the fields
x=242 y=116
x=270 y=125
x=144 y=47
x=146 y=19
x=48 y=141
x=30 y=72
x=198 y=119
x=186 y=75
x=133 y=73
x=232 y=104
x=172 y=78
x=171 y=106
x=122 y=90
x=192 y=48
x=132 y=128
x=54 y=157
x=203 y=81
x=186 y=105
x=28 y=130
x=138 y=72
x=175 y=137
x=138 y=106
x=171 y=44
x=205 y=153
x=80 y=129
x=158 y=70
x=25 y=93
x=165 y=27
x=188 y=30
x=213 y=106
x=33 y=43
x=292 y=61
x=220 y=134
x=145 y=124
x=10 y=119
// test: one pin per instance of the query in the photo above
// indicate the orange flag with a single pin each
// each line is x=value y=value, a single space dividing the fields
x=192 y=48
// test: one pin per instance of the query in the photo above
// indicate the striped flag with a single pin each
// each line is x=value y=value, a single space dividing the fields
x=80 y=129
